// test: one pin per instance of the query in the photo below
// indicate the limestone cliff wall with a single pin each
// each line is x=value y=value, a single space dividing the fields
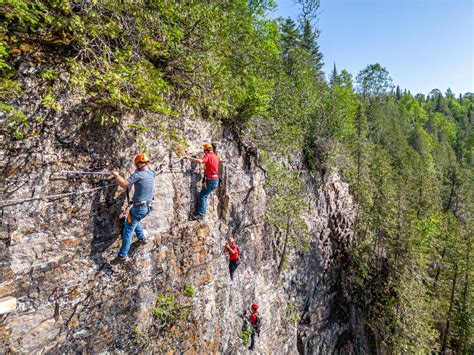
x=55 y=253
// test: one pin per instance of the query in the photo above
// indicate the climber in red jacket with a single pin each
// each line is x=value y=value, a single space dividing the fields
x=254 y=323
x=234 y=256
x=211 y=175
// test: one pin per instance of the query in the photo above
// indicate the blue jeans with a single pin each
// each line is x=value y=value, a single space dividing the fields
x=202 y=201
x=252 y=337
x=136 y=215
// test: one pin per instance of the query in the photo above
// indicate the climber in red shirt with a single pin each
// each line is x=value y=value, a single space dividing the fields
x=234 y=256
x=254 y=323
x=211 y=175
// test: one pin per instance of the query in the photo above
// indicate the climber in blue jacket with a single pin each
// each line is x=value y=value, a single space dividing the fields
x=143 y=181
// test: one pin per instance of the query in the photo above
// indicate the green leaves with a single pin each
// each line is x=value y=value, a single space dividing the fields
x=374 y=80
x=285 y=208
x=168 y=310
x=16 y=121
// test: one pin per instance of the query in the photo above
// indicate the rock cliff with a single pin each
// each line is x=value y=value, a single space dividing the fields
x=175 y=294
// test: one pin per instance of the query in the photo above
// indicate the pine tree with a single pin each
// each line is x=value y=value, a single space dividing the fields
x=398 y=93
x=309 y=37
x=334 y=79
x=289 y=43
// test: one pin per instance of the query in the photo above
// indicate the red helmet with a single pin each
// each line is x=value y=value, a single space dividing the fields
x=254 y=306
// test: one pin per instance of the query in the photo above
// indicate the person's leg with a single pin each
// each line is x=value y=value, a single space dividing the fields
x=232 y=267
x=231 y=271
x=252 y=338
x=130 y=224
x=142 y=213
x=202 y=201
x=139 y=232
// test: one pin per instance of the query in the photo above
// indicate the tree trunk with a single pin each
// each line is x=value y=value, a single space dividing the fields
x=450 y=309
x=451 y=194
x=399 y=231
x=438 y=271
x=283 y=254
x=462 y=344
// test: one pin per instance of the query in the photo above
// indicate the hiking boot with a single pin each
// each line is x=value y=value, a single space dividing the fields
x=119 y=260
x=142 y=241
x=196 y=217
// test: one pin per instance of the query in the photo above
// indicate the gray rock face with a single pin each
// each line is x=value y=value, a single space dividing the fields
x=55 y=253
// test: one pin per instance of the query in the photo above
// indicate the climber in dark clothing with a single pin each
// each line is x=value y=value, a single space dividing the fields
x=211 y=174
x=254 y=323
x=143 y=180
x=234 y=256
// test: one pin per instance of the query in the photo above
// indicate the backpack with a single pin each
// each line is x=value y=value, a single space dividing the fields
x=258 y=325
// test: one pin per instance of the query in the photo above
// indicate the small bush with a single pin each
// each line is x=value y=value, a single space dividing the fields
x=17 y=121
x=189 y=291
x=168 y=310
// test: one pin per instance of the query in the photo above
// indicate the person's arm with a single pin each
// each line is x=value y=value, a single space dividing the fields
x=196 y=160
x=120 y=180
x=229 y=249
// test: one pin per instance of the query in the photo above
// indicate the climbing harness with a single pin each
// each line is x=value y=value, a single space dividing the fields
x=127 y=207
x=51 y=197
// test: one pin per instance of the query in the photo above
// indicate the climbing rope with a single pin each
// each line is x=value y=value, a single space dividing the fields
x=105 y=173
x=7 y=203
x=51 y=197
x=83 y=173
x=21 y=179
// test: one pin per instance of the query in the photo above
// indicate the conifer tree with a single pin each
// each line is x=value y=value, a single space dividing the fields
x=289 y=43
x=334 y=78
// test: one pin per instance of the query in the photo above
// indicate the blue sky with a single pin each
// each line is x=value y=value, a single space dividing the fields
x=424 y=44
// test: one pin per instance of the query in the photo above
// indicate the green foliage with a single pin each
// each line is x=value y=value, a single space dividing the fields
x=411 y=110
x=293 y=311
x=443 y=127
x=140 y=128
x=50 y=101
x=285 y=208
x=411 y=237
x=8 y=88
x=189 y=291
x=17 y=121
x=129 y=56
x=141 y=338
x=374 y=80
x=50 y=74
x=168 y=310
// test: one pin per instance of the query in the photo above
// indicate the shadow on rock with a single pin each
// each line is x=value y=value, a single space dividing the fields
x=107 y=224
